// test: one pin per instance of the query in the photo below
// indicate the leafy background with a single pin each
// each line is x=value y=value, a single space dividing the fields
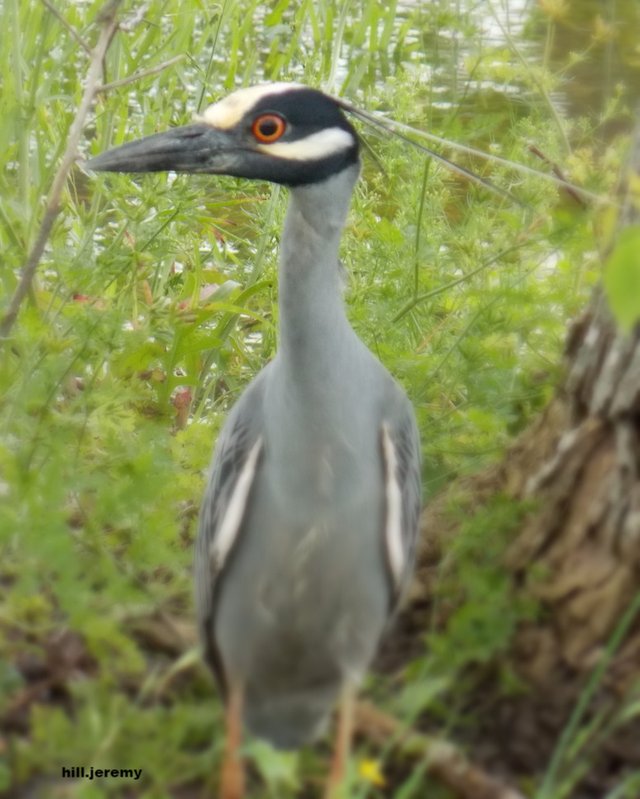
x=155 y=304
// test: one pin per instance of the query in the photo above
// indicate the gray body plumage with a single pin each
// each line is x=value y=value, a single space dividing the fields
x=304 y=595
x=309 y=521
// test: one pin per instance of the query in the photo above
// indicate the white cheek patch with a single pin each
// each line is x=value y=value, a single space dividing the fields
x=312 y=148
x=228 y=112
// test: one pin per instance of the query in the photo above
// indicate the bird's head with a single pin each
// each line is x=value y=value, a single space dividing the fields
x=281 y=132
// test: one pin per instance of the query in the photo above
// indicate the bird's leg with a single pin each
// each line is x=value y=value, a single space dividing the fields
x=336 y=783
x=232 y=776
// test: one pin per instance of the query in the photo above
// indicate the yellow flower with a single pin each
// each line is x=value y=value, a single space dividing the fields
x=370 y=771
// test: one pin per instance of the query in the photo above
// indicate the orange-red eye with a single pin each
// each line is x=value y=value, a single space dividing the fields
x=268 y=128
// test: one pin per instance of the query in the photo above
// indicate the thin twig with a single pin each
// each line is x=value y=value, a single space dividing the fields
x=443 y=759
x=69 y=28
x=409 y=306
x=116 y=84
x=108 y=21
x=558 y=173
x=537 y=82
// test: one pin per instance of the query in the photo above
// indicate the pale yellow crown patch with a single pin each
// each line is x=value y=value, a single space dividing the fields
x=226 y=113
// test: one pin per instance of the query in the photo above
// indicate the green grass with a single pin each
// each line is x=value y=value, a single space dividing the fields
x=464 y=297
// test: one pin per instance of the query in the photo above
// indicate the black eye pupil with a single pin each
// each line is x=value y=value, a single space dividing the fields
x=269 y=127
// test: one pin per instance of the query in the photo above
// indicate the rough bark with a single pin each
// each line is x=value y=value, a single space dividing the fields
x=577 y=553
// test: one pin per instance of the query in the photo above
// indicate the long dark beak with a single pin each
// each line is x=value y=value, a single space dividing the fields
x=193 y=148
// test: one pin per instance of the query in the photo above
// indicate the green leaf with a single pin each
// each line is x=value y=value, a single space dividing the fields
x=622 y=278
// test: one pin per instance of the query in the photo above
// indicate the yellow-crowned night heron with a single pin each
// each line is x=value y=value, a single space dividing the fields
x=308 y=524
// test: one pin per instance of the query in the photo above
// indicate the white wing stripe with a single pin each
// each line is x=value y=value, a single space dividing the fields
x=230 y=522
x=393 y=521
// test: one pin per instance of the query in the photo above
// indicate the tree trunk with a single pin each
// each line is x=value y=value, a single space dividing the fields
x=577 y=553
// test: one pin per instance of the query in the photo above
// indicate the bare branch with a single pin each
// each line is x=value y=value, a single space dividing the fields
x=108 y=21
x=116 y=84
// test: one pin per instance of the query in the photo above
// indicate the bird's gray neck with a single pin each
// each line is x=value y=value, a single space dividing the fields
x=316 y=371
x=312 y=316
